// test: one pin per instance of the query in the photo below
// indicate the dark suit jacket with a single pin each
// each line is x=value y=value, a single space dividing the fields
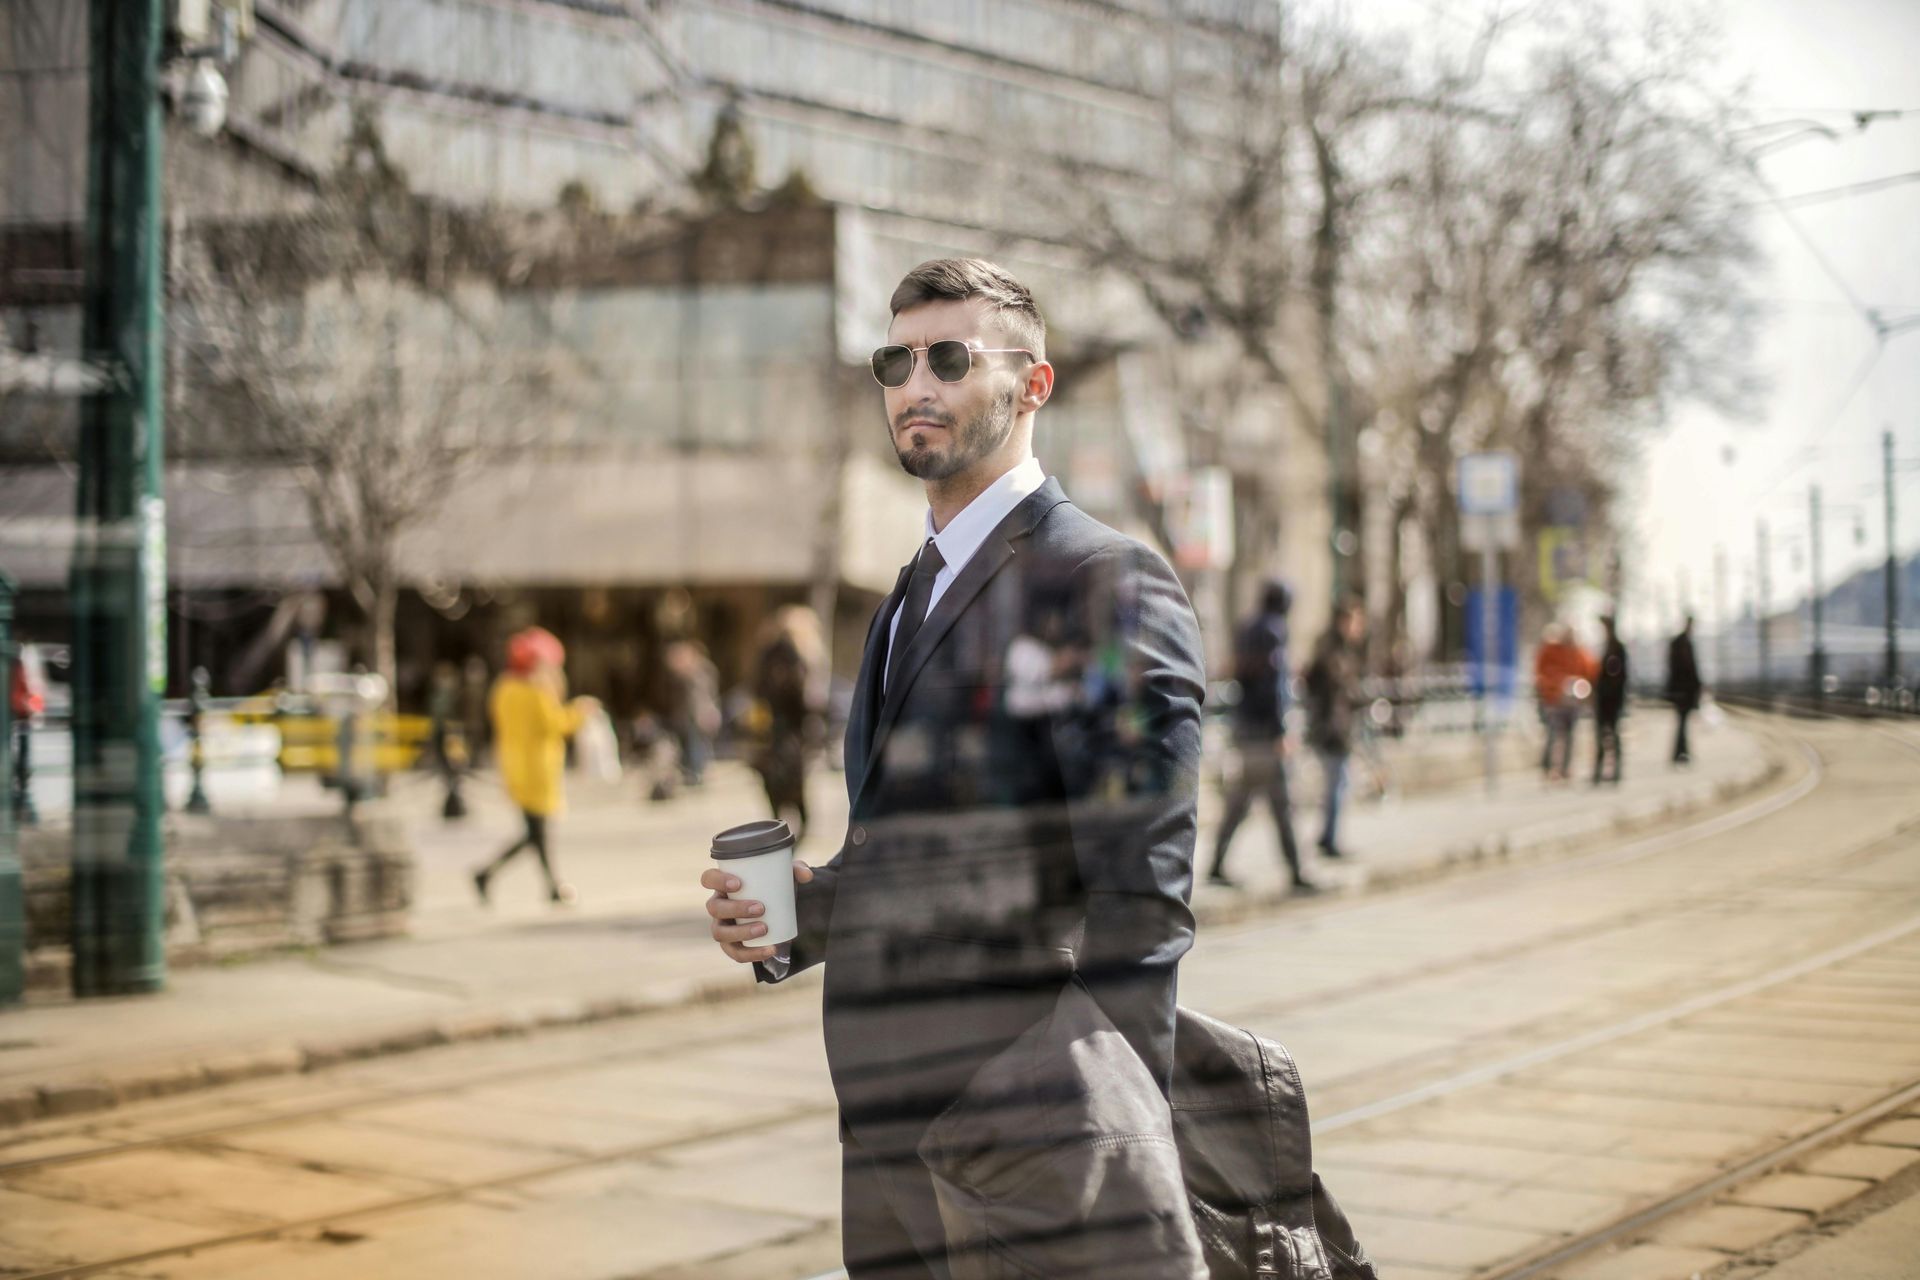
x=990 y=856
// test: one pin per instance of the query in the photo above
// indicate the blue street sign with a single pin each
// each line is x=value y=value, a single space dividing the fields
x=1506 y=652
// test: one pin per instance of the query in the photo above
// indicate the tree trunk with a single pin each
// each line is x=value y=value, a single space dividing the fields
x=1396 y=619
x=823 y=592
x=386 y=598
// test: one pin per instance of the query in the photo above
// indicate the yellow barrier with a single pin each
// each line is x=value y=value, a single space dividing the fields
x=311 y=743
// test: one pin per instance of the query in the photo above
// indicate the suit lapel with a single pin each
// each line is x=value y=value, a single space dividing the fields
x=987 y=561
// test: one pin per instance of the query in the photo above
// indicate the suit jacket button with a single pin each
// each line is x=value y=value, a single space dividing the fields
x=859 y=836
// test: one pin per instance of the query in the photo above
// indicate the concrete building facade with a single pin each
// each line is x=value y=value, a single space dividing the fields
x=925 y=129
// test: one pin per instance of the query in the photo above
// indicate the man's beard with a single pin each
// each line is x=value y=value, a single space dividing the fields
x=979 y=436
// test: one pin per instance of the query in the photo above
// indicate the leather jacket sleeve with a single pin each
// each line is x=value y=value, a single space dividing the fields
x=1130 y=762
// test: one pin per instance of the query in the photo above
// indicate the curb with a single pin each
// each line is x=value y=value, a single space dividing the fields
x=96 y=1093
x=1541 y=842
x=90 y=1094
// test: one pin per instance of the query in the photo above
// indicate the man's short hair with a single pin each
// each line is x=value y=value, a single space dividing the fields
x=956 y=279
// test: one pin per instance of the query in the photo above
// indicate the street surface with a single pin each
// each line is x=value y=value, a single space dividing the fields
x=638 y=935
x=1498 y=1063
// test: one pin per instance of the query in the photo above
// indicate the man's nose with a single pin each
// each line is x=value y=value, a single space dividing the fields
x=921 y=382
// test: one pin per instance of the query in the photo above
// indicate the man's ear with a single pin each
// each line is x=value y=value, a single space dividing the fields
x=1038 y=387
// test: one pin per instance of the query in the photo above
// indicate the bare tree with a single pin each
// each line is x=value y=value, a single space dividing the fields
x=352 y=345
x=1534 y=242
x=1554 y=283
x=1275 y=128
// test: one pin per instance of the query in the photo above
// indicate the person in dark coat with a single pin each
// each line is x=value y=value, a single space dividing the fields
x=1260 y=741
x=1609 y=704
x=787 y=680
x=974 y=884
x=1683 y=688
x=1332 y=684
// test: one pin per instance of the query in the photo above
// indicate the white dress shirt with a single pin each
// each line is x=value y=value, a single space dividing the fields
x=963 y=535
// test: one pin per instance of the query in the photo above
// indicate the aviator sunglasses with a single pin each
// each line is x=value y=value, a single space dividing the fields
x=950 y=359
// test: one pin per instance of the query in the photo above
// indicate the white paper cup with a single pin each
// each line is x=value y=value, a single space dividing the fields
x=760 y=855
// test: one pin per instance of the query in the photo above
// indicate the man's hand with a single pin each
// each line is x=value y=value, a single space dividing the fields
x=736 y=920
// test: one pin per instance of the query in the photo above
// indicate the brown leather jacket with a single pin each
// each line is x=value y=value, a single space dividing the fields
x=1063 y=1160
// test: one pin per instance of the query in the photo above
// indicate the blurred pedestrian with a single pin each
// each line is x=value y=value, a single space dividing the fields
x=473 y=710
x=27 y=698
x=692 y=705
x=1045 y=675
x=1260 y=744
x=1609 y=704
x=1562 y=679
x=532 y=720
x=789 y=682
x=1332 y=683
x=443 y=707
x=1683 y=688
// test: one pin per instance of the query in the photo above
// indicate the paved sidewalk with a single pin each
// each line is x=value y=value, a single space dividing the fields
x=1885 y=1246
x=638 y=938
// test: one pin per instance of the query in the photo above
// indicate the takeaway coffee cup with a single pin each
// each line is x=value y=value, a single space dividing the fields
x=760 y=854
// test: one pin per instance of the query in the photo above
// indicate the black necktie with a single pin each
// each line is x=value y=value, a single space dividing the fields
x=913 y=610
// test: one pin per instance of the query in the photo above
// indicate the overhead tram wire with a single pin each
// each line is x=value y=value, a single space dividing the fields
x=1869 y=187
x=1873 y=317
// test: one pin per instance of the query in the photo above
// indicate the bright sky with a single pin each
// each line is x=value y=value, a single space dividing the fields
x=1706 y=480
x=1835 y=56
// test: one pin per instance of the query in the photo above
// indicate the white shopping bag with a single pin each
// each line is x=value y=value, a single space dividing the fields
x=595 y=748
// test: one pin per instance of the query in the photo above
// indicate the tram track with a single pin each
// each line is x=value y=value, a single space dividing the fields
x=1746 y=814
x=1545 y=1264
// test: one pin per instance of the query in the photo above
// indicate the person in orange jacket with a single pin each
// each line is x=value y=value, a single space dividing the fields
x=531 y=725
x=1563 y=675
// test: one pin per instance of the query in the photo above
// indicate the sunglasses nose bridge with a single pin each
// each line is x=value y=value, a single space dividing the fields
x=922 y=364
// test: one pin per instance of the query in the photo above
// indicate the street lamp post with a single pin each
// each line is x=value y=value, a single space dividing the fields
x=1817 y=665
x=1762 y=601
x=1891 y=576
x=119 y=565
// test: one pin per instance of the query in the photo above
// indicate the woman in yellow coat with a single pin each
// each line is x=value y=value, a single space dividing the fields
x=531 y=725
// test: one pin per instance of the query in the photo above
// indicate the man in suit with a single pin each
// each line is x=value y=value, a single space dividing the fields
x=991 y=857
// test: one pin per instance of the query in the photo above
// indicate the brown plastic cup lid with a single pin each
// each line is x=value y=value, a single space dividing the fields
x=750 y=838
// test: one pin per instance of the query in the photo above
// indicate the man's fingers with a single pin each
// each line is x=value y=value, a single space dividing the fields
x=719 y=881
x=802 y=873
x=723 y=908
x=738 y=932
x=746 y=955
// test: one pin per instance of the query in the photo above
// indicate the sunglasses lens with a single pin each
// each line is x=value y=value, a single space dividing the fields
x=892 y=366
x=949 y=359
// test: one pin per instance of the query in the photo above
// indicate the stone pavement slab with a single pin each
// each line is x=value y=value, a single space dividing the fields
x=1729 y=1227
x=591 y=1235
x=1647 y=1262
x=1392 y=1239
x=1805 y=1192
x=1896 y=1133
x=1859 y=1160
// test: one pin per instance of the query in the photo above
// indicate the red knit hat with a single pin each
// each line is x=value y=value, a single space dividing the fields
x=528 y=649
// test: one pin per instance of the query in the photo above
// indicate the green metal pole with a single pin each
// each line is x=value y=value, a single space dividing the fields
x=119 y=565
x=13 y=915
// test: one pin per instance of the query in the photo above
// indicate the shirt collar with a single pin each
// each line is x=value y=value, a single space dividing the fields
x=966 y=531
